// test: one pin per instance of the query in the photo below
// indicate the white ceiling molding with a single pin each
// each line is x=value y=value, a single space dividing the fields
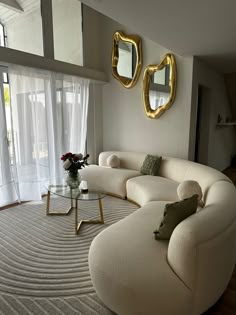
x=11 y=4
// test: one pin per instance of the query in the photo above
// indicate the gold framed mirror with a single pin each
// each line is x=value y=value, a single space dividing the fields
x=159 y=86
x=126 y=58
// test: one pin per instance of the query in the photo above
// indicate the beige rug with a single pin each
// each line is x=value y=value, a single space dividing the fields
x=44 y=265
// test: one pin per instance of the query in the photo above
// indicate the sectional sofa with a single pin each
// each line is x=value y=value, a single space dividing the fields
x=133 y=273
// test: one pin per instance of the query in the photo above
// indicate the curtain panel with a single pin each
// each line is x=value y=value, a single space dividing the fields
x=49 y=118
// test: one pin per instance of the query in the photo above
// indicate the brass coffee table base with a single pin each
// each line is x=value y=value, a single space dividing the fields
x=88 y=222
x=78 y=225
x=74 y=205
x=55 y=212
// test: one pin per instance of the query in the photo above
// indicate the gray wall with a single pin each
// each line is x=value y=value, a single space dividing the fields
x=95 y=122
x=92 y=35
x=125 y=125
x=230 y=80
x=221 y=140
x=93 y=52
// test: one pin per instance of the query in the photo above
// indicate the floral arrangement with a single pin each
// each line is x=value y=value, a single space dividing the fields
x=73 y=162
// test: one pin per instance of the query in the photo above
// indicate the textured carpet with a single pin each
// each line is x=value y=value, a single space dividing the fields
x=44 y=265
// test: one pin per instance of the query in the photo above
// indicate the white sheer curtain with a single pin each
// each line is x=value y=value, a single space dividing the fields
x=49 y=118
x=7 y=188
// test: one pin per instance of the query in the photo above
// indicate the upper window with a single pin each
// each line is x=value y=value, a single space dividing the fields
x=23 y=27
x=67 y=31
x=2 y=36
x=3 y=44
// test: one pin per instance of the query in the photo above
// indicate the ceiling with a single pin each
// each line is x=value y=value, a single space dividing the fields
x=204 y=28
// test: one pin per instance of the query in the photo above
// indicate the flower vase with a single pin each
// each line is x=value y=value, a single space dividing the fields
x=73 y=180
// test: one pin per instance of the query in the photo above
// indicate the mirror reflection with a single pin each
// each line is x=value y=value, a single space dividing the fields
x=126 y=58
x=126 y=61
x=159 y=92
x=159 y=86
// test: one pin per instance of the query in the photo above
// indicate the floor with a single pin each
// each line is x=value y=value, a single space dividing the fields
x=226 y=305
x=231 y=173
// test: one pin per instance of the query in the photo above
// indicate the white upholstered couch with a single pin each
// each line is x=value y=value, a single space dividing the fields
x=133 y=273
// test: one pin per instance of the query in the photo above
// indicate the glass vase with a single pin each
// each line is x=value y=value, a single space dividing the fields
x=73 y=180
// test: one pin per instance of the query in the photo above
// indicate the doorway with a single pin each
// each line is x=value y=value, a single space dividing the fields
x=202 y=125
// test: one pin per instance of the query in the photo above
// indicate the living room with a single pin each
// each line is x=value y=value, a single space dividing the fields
x=115 y=122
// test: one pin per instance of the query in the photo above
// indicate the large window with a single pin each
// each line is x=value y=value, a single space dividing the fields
x=44 y=117
x=23 y=29
x=67 y=31
x=2 y=36
x=43 y=114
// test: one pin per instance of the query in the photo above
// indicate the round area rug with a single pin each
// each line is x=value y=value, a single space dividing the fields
x=44 y=265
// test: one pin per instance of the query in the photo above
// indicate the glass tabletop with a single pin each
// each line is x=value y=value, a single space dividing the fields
x=60 y=188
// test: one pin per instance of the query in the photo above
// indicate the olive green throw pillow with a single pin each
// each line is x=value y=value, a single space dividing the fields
x=151 y=165
x=175 y=213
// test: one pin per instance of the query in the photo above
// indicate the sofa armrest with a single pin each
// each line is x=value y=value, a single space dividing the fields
x=201 y=250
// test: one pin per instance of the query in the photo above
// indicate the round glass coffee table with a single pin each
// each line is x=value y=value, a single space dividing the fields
x=60 y=188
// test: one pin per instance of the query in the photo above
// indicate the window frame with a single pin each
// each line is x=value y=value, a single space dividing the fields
x=3 y=35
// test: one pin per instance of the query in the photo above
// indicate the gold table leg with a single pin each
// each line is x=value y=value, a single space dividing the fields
x=55 y=212
x=78 y=225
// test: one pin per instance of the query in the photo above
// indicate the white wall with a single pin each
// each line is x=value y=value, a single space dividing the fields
x=221 y=143
x=125 y=125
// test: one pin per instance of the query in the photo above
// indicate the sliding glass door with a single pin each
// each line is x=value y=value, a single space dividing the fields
x=43 y=116
x=8 y=192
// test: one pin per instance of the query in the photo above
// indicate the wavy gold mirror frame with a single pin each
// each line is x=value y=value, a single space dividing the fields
x=168 y=59
x=137 y=44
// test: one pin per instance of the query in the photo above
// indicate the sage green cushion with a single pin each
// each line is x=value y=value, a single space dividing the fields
x=175 y=213
x=151 y=165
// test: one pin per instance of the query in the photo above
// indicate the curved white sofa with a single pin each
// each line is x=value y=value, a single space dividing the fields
x=133 y=273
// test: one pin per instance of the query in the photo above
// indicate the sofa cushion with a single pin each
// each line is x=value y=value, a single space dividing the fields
x=113 y=161
x=147 y=188
x=111 y=180
x=188 y=188
x=174 y=214
x=151 y=165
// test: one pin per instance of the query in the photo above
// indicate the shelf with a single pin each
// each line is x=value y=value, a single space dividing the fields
x=226 y=124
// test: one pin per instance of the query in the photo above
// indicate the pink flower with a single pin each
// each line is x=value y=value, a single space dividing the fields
x=75 y=159
x=73 y=162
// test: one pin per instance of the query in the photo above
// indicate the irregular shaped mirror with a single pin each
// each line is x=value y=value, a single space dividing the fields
x=126 y=58
x=159 y=86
